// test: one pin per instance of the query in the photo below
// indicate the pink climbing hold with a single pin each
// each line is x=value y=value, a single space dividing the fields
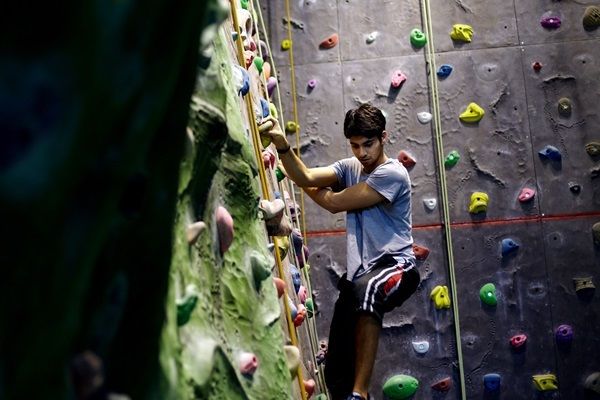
x=518 y=341
x=225 y=228
x=302 y=294
x=279 y=285
x=248 y=58
x=312 y=83
x=309 y=387
x=330 y=42
x=247 y=363
x=271 y=85
x=406 y=159
x=526 y=195
x=398 y=78
x=550 y=22
x=268 y=158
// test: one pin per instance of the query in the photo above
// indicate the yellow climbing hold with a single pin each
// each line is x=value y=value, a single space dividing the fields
x=479 y=202
x=273 y=111
x=462 y=32
x=291 y=127
x=286 y=44
x=440 y=297
x=473 y=113
x=545 y=382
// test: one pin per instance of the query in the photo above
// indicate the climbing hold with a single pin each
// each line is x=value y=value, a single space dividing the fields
x=509 y=246
x=234 y=36
x=293 y=309
x=224 y=228
x=193 y=231
x=271 y=85
x=594 y=173
x=451 y=159
x=244 y=4
x=261 y=268
x=584 y=284
x=186 y=304
x=266 y=70
x=264 y=107
x=309 y=387
x=398 y=78
x=591 y=18
x=268 y=158
x=406 y=159
x=247 y=363
x=537 y=66
x=302 y=294
x=545 y=382
x=487 y=294
x=479 y=202
x=279 y=174
x=592 y=382
x=526 y=195
x=574 y=187
x=371 y=37
x=462 y=32
x=417 y=38
x=273 y=111
x=400 y=387
x=564 y=107
x=271 y=209
x=444 y=71
x=551 y=153
x=440 y=297
x=430 y=203
x=264 y=50
x=297 y=240
x=279 y=285
x=564 y=334
x=321 y=396
x=491 y=382
x=421 y=252
x=424 y=117
x=518 y=341
x=291 y=127
x=330 y=41
x=473 y=113
x=310 y=307
x=248 y=58
x=259 y=63
x=593 y=149
x=243 y=84
x=301 y=260
x=286 y=44
x=300 y=315
x=283 y=244
x=279 y=226
x=443 y=385
x=421 y=347
x=292 y=359
x=312 y=83
x=550 y=22
x=295 y=274
x=322 y=353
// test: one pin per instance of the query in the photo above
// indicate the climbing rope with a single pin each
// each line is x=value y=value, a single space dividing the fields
x=435 y=105
x=265 y=190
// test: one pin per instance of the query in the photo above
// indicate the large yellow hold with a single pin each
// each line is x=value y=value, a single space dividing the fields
x=473 y=113
x=440 y=297
x=545 y=382
x=462 y=32
x=479 y=202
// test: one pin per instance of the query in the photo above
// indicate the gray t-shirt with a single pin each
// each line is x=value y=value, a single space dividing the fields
x=384 y=228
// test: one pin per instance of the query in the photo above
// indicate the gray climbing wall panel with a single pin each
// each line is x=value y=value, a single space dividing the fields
x=499 y=156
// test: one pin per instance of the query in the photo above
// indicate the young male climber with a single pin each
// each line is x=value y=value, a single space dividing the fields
x=381 y=273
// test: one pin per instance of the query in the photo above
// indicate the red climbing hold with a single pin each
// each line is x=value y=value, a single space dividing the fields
x=421 y=252
x=537 y=66
x=330 y=42
x=406 y=159
x=443 y=385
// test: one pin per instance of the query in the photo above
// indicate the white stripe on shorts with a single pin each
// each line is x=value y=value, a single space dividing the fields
x=383 y=272
x=383 y=281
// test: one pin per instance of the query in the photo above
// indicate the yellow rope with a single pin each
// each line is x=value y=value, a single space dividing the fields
x=444 y=192
x=261 y=170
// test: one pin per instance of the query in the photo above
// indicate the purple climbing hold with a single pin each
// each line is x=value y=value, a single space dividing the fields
x=312 y=83
x=550 y=22
x=551 y=153
x=564 y=334
x=296 y=280
x=271 y=85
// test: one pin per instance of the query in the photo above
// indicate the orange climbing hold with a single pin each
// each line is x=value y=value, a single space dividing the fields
x=421 y=252
x=330 y=42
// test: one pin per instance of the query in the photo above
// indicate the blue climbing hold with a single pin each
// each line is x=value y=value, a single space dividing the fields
x=508 y=246
x=491 y=382
x=295 y=277
x=245 y=82
x=444 y=71
x=551 y=153
x=264 y=105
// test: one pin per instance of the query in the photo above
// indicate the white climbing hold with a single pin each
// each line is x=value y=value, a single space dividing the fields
x=424 y=117
x=193 y=231
x=371 y=37
x=430 y=203
x=421 y=347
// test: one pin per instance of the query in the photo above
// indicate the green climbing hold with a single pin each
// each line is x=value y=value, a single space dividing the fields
x=310 y=307
x=273 y=111
x=258 y=63
x=261 y=268
x=593 y=149
x=487 y=293
x=564 y=107
x=451 y=159
x=279 y=174
x=291 y=127
x=596 y=233
x=400 y=387
x=186 y=305
x=321 y=397
x=244 y=4
x=418 y=38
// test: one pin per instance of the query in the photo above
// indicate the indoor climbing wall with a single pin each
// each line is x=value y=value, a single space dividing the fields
x=516 y=86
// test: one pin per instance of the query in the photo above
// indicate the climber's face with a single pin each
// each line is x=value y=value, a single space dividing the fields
x=369 y=151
